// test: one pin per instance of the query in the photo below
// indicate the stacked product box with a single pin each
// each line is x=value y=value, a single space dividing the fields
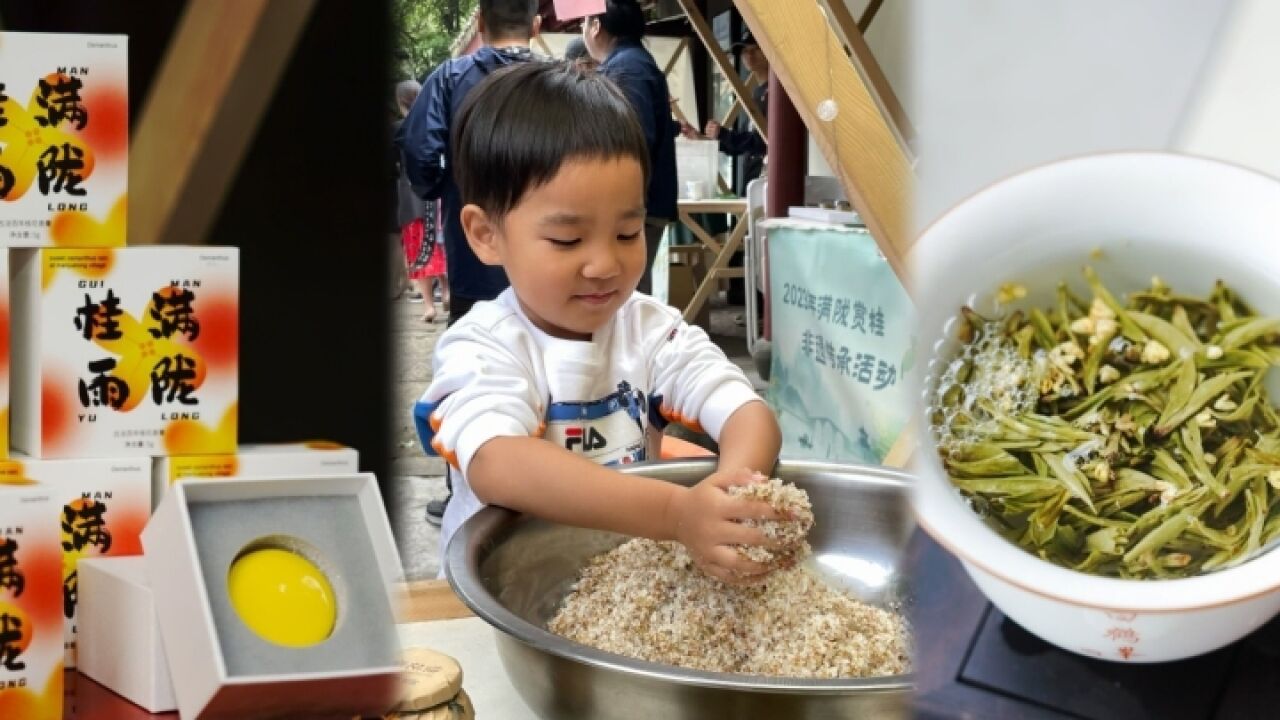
x=317 y=457
x=124 y=351
x=64 y=130
x=4 y=354
x=31 y=622
x=64 y=165
x=98 y=509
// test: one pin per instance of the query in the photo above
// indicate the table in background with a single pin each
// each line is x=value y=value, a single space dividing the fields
x=973 y=662
x=719 y=268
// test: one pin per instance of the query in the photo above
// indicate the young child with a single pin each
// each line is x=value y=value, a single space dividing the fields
x=570 y=370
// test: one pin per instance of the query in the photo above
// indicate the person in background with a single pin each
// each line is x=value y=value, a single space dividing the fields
x=614 y=40
x=743 y=140
x=416 y=218
x=576 y=52
x=506 y=27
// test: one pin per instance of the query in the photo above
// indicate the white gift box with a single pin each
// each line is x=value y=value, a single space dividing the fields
x=99 y=508
x=223 y=669
x=124 y=351
x=4 y=354
x=119 y=636
x=301 y=459
x=64 y=127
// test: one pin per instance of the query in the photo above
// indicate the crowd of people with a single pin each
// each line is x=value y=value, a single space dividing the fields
x=426 y=222
x=555 y=181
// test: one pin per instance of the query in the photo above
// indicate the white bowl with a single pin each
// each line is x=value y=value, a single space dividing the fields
x=1189 y=221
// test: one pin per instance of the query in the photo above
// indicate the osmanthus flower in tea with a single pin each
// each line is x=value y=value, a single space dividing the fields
x=1132 y=440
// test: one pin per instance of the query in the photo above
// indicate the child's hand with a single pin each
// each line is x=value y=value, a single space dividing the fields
x=703 y=520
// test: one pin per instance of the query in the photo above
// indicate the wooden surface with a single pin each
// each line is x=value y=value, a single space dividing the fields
x=426 y=600
x=203 y=111
x=859 y=143
x=972 y=662
x=850 y=34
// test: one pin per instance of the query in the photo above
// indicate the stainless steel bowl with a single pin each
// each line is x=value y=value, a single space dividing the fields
x=513 y=571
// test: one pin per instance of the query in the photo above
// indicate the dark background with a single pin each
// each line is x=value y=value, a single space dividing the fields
x=308 y=209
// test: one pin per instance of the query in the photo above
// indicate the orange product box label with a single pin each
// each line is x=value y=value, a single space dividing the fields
x=125 y=351
x=64 y=139
x=31 y=622
x=98 y=509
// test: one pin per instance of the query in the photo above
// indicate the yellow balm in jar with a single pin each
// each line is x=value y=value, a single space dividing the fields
x=283 y=597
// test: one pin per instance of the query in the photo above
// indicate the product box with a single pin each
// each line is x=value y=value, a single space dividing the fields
x=118 y=620
x=126 y=351
x=4 y=354
x=31 y=624
x=64 y=139
x=100 y=508
x=316 y=457
x=223 y=638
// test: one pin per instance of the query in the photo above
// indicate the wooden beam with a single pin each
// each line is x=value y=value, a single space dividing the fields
x=859 y=142
x=671 y=64
x=865 y=61
x=732 y=113
x=868 y=15
x=202 y=113
x=722 y=62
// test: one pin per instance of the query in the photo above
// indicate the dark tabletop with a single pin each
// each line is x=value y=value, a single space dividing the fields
x=973 y=662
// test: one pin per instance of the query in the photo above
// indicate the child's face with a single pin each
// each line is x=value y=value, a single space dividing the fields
x=574 y=248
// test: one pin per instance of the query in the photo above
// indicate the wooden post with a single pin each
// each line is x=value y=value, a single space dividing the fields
x=722 y=61
x=859 y=142
x=219 y=73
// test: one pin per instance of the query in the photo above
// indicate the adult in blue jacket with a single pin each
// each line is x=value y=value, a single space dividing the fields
x=614 y=40
x=506 y=26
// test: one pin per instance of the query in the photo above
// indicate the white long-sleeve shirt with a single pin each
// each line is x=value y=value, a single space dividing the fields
x=498 y=375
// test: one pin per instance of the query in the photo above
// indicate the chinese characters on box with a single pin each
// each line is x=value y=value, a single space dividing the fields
x=99 y=508
x=31 y=621
x=128 y=351
x=64 y=139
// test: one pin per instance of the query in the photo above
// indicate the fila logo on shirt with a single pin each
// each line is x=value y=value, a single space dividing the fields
x=589 y=438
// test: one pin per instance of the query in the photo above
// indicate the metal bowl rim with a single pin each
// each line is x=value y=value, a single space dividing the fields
x=472 y=592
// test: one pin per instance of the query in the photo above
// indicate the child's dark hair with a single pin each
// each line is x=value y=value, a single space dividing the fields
x=515 y=130
x=623 y=19
x=508 y=19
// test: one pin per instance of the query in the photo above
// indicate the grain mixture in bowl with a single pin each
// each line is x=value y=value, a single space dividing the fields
x=647 y=600
x=791 y=534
